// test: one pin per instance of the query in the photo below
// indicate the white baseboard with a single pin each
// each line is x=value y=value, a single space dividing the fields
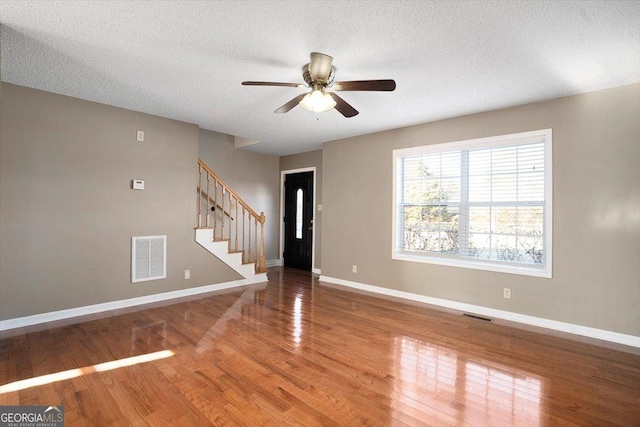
x=316 y=271
x=114 y=305
x=273 y=263
x=586 y=331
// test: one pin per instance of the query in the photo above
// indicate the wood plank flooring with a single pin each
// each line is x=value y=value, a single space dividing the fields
x=294 y=352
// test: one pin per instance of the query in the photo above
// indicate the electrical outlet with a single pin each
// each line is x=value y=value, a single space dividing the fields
x=506 y=293
x=140 y=136
x=187 y=274
x=355 y=268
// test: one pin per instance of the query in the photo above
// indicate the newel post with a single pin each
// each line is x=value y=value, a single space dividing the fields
x=262 y=263
x=200 y=195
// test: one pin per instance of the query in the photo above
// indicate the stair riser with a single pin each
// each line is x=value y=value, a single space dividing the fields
x=204 y=237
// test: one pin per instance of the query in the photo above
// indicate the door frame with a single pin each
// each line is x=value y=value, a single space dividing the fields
x=283 y=176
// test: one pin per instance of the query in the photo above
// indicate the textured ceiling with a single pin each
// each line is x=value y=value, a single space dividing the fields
x=185 y=60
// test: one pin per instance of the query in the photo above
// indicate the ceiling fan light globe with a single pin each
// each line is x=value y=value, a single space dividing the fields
x=317 y=101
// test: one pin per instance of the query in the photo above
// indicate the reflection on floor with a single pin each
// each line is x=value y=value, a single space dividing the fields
x=297 y=352
x=463 y=390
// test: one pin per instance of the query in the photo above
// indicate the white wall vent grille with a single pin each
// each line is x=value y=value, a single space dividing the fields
x=148 y=258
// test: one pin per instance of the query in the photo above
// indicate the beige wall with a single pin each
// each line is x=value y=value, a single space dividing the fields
x=596 y=225
x=306 y=160
x=253 y=176
x=67 y=213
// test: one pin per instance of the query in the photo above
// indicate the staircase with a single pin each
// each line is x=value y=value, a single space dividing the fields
x=229 y=228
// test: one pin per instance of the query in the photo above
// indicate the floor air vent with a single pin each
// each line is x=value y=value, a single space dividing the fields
x=148 y=258
x=475 y=316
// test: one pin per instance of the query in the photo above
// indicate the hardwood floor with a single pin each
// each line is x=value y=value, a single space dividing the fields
x=295 y=352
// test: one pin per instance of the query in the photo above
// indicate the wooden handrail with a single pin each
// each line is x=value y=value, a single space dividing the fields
x=203 y=193
x=240 y=237
x=228 y=189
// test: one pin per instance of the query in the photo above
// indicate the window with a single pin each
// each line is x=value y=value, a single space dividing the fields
x=299 y=199
x=483 y=203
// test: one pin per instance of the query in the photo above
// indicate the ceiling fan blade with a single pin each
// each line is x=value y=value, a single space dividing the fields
x=343 y=107
x=371 y=85
x=272 y=84
x=289 y=105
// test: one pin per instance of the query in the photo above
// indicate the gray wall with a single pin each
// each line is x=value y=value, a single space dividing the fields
x=67 y=213
x=305 y=160
x=253 y=176
x=596 y=200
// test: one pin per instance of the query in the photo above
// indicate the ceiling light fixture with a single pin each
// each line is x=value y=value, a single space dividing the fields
x=318 y=101
x=318 y=76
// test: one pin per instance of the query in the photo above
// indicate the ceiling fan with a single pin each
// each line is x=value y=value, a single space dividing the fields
x=318 y=75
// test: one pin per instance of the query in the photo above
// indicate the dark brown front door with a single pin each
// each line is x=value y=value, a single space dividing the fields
x=298 y=220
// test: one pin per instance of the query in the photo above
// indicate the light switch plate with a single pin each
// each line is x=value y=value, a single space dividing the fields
x=137 y=184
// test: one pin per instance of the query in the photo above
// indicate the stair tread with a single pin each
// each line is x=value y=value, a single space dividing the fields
x=207 y=232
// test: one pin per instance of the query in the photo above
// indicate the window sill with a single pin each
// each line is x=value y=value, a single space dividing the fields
x=475 y=265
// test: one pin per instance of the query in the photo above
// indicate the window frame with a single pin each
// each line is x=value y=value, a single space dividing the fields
x=480 y=264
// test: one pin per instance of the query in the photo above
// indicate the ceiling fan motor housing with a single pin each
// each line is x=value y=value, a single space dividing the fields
x=320 y=69
x=309 y=80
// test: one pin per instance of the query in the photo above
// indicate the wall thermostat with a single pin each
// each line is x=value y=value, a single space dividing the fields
x=137 y=184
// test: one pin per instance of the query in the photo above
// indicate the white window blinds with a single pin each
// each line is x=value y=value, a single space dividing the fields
x=485 y=202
